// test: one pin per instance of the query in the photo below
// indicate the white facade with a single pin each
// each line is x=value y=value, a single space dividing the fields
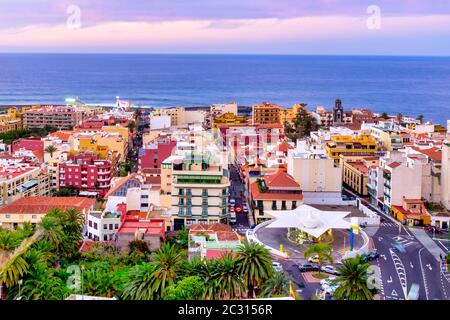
x=160 y=122
x=313 y=170
x=445 y=175
x=216 y=109
x=102 y=226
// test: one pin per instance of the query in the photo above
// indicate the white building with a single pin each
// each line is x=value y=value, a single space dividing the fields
x=102 y=226
x=314 y=171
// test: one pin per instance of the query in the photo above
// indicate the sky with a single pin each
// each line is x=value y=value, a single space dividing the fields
x=375 y=27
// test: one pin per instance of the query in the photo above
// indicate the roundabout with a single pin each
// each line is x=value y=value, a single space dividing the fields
x=294 y=231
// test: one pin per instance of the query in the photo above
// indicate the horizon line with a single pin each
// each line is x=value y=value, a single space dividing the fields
x=230 y=54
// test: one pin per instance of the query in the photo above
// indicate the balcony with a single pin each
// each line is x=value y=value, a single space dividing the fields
x=84 y=185
x=104 y=172
x=84 y=179
x=84 y=172
x=103 y=179
x=387 y=185
x=387 y=176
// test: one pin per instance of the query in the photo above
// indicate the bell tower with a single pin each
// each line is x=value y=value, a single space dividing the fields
x=338 y=112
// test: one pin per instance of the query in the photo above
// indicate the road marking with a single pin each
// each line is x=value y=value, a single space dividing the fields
x=423 y=273
x=383 y=256
x=394 y=293
x=400 y=269
x=390 y=280
x=411 y=265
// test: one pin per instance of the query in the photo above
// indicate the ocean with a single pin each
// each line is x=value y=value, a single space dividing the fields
x=410 y=85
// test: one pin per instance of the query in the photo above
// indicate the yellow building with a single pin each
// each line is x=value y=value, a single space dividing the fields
x=124 y=132
x=412 y=212
x=266 y=113
x=363 y=145
x=288 y=115
x=229 y=119
x=355 y=173
x=7 y=125
x=102 y=143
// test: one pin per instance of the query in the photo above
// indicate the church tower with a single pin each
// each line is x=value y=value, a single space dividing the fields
x=338 y=112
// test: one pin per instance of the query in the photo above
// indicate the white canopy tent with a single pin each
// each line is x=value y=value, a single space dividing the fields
x=309 y=219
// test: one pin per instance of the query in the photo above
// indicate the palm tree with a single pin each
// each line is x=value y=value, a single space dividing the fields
x=353 y=280
x=399 y=117
x=278 y=285
x=255 y=265
x=51 y=149
x=140 y=285
x=13 y=270
x=167 y=262
x=42 y=284
x=385 y=116
x=323 y=251
x=230 y=284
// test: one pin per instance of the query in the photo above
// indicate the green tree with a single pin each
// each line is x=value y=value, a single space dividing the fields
x=190 y=288
x=399 y=117
x=255 y=265
x=167 y=261
x=323 y=251
x=140 y=283
x=42 y=284
x=352 y=280
x=278 y=285
x=301 y=127
x=385 y=116
x=51 y=149
x=63 y=193
x=228 y=280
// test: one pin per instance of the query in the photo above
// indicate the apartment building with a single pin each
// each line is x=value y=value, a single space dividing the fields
x=277 y=191
x=152 y=155
x=102 y=143
x=22 y=180
x=61 y=117
x=266 y=113
x=445 y=174
x=222 y=108
x=362 y=145
x=309 y=165
x=199 y=190
x=86 y=172
x=228 y=119
x=355 y=173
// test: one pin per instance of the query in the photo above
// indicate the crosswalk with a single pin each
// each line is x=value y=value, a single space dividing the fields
x=405 y=240
x=389 y=224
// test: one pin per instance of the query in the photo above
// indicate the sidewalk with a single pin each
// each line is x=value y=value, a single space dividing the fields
x=428 y=243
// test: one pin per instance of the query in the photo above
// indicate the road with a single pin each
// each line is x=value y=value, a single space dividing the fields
x=236 y=193
x=400 y=270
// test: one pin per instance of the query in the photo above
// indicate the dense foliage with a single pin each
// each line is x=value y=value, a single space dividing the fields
x=44 y=263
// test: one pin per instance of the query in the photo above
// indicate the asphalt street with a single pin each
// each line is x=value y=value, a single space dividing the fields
x=400 y=270
x=236 y=193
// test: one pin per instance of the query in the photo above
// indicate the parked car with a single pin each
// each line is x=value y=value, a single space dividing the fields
x=305 y=267
x=314 y=259
x=329 y=269
x=372 y=255
x=277 y=266
x=330 y=289
x=246 y=211
x=232 y=202
x=327 y=281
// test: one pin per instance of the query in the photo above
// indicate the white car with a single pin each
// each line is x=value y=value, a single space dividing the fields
x=330 y=288
x=232 y=202
x=277 y=266
x=329 y=269
x=327 y=281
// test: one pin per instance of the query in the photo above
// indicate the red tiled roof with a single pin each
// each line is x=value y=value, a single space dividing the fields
x=280 y=179
x=433 y=153
x=256 y=195
x=409 y=214
x=227 y=236
x=216 y=253
x=41 y=205
x=394 y=164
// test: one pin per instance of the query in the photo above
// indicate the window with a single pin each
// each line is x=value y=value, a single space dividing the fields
x=283 y=205
x=90 y=223
x=110 y=226
x=34 y=216
x=95 y=225
x=274 y=205
x=144 y=196
x=105 y=227
x=7 y=216
x=116 y=226
x=294 y=205
x=105 y=237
